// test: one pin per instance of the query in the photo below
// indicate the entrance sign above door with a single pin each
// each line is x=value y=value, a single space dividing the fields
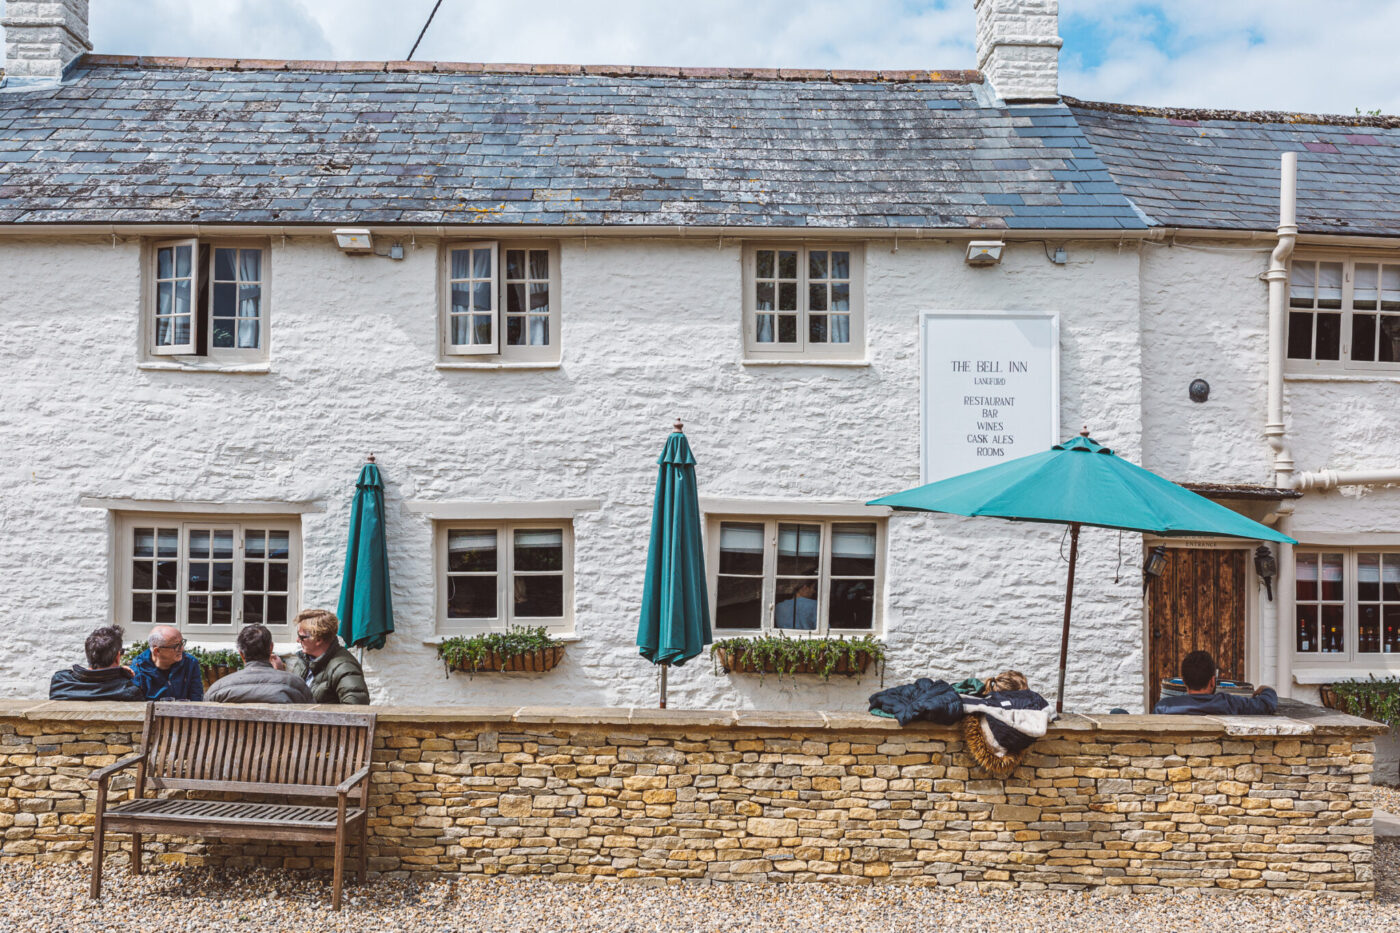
x=990 y=389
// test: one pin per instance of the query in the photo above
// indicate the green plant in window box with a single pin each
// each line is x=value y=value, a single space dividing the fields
x=517 y=649
x=214 y=663
x=1374 y=699
x=786 y=657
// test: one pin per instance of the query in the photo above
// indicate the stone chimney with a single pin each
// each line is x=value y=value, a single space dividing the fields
x=41 y=36
x=1018 y=48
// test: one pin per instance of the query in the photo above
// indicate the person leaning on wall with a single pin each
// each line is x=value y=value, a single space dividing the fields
x=104 y=678
x=259 y=681
x=1199 y=673
x=164 y=671
x=330 y=671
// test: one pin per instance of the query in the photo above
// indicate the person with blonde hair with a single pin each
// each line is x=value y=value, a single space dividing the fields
x=328 y=670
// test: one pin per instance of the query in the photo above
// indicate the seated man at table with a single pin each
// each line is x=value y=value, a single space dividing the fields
x=104 y=678
x=1199 y=673
x=259 y=681
x=164 y=671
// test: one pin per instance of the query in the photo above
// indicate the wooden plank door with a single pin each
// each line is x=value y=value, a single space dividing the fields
x=1198 y=604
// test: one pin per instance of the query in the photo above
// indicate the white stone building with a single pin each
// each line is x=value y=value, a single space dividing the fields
x=563 y=261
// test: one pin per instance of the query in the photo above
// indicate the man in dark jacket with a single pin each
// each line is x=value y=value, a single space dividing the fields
x=164 y=671
x=1198 y=672
x=103 y=678
x=259 y=681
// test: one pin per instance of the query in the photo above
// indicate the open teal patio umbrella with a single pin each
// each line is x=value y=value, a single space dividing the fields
x=366 y=609
x=1080 y=482
x=675 y=621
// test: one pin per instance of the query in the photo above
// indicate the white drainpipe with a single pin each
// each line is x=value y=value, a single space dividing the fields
x=1277 y=278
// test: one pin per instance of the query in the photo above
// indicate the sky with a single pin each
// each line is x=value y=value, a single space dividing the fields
x=1319 y=56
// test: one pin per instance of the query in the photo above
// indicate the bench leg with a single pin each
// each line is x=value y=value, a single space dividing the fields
x=339 y=867
x=136 y=853
x=99 y=833
x=364 y=851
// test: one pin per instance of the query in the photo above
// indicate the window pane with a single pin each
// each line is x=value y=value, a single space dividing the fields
x=471 y=597
x=816 y=264
x=225 y=294
x=142 y=575
x=539 y=331
x=461 y=330
x=539 y=597
x=852 y=604
x=840 y=264
x=182 y=297
x=223 y=545
x=515 y=264
x=144 y=542
x=1299 y=335
x=461 y=299
x=1363 y=337
x=199 y=545
x=765 y=263
x=221 y=333
x=1391 y=618
x=253 y=610
x=853 y=549
x=515 y=331
x=1390 y=288
x=140 y=607
x=1329 y=285
x=277 y=545
x=1307 y=628
x=248 y=335
x=539 y=549
x=816 y=298
x=180 y=332
x=222 y=607
x=481 y=263
x=481 y=329
x=481 y=296
x=799 y=549
x=199 y=576
x=765 y=328
x=1332 y=640
x=166 y=574
x=764 y=296
x=165 y=296
x=740 y=548
x=250 y=265
x=182 y=262
x=539 y=297
x=1388 y=344
x=1390 y=578
x=276 y=610
x=471 y=552
x=253 y=576
x=1364 y=285
x=1301 y=283
x=841 y=296
x=816 y=328
x=197 y=610
x=165 y=608
x=787 y=296
x=249 y=300
x=168 y=543
x=1368 y=629
x=787 y=264
x=739 y=603
x=277 y=574
x=796 y=605
x=254 y=543
x=1332 y=577
x=1305 y=578
x=460 y=263
x=1329 y=336
x=841 y=328
x=515 y=298
x=1368 y=577
x=787 y=328
x=165 y=262
x=224 y=265
x=539 y=263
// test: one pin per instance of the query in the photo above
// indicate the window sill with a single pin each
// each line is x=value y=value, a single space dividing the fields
x=556 y=364
x=1340 y=377
x=1344 y=671
x=172 y=367
x=436 y=640
x=858 y=364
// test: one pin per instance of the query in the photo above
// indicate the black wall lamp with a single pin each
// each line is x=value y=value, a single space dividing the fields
x=1154 y=565
x=1267 y=568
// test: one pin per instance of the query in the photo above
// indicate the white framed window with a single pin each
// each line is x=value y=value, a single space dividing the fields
x=492 y=576
x=804 y=301
x=1347 y=604
x=796 y=575
x=208 y=576
x=500 y=300
x=1343 y=314
x=207 y=299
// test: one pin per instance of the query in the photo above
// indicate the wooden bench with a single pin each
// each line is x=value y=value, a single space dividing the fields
x=243 y=750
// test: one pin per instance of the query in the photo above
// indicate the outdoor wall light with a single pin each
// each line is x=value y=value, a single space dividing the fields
x=1199 y=390
x=984 y=252
x=1267 y=568
x=1154 y=565
x=353 y=239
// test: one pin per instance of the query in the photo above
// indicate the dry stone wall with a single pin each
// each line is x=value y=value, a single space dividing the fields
x=1130 y=802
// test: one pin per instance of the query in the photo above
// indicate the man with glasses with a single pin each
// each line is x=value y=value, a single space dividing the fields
x=1199 y=673
x=164 y=671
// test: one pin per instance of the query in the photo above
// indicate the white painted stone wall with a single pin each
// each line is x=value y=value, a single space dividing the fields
x=651 y=332
x=41 y=36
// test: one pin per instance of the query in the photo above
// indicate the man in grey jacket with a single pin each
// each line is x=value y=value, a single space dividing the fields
x=259 y=681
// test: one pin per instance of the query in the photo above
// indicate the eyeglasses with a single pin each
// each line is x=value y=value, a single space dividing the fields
x=302 y=636
x=178 y=647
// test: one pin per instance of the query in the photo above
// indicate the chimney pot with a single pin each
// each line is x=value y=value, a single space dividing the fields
x=43 y=36
x=1018 y=48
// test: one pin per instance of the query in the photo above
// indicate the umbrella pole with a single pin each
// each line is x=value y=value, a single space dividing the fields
x=664 y=667
x=1069 y=602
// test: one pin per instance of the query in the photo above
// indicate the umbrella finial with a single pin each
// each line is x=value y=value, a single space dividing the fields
x=678 y=426
x=370 y=459
x=1085 y=432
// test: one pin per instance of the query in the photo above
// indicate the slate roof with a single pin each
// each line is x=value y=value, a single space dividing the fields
x=1220 y=170
x=176 y=140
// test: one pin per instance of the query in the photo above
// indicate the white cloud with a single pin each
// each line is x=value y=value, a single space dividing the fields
x=1298 y=55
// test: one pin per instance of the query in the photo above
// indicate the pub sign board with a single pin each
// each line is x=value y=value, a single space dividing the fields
x=990 y=389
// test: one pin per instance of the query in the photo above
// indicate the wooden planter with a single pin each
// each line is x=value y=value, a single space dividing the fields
x=214 y=672
x=531 y=662
x=1331 y=700
x=742 y=663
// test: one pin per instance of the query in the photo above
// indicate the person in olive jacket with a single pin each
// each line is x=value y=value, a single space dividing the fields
x=331 y=672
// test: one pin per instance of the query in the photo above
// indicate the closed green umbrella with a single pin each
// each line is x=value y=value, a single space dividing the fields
x=675 y=622
x=1080 y=482
x=366 y=609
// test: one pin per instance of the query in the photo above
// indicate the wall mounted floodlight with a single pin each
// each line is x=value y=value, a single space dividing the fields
x=984 y=252
x=353 y=239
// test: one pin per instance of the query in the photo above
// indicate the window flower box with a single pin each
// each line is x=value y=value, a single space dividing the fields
x=783 y=656
x=529 y=650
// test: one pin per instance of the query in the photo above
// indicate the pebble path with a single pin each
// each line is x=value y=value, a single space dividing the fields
x=53 y=899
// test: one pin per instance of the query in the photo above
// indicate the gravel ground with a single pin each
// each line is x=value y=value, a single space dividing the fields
x=1386 y=798
x=54 y=900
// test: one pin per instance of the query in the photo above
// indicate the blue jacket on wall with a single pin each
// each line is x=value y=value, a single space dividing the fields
x=184 y=680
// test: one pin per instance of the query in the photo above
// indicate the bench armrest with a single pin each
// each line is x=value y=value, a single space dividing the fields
x=345 y=785
x=101 y=774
